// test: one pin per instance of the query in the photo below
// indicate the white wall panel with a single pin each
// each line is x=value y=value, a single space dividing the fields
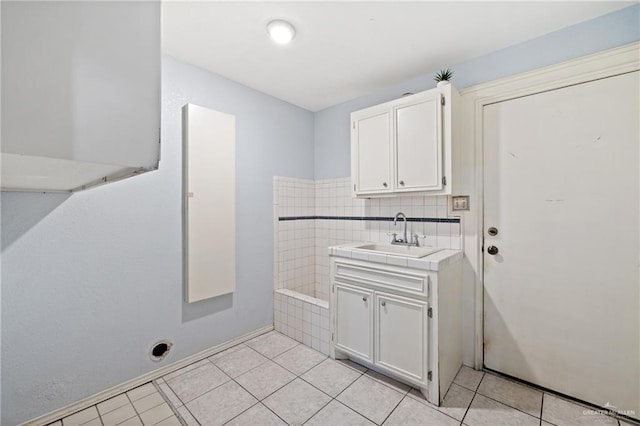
x=209 y=173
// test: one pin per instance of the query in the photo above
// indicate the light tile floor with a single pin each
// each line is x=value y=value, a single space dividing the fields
x=274 y=380
x=142 y=406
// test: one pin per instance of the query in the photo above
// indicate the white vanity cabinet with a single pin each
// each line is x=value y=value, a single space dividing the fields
x=405 y=145
x=404 y=322
x=354 y=331
x=402 y=335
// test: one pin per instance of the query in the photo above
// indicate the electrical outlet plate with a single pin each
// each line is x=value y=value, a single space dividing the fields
x=459 y=203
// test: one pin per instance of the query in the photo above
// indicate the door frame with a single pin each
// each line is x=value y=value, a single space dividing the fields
x=596 y=66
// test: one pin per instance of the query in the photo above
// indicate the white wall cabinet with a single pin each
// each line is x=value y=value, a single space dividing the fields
x=403 y=322
x=80 y=93
x=370 y=146
x=405 y=145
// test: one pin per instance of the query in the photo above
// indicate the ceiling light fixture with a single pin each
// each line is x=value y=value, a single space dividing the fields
x=281 y=31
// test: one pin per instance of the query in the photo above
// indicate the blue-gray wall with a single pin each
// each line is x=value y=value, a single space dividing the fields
x=90 y=281
x=332 y=137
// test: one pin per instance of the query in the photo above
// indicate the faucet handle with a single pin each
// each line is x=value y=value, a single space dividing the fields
x=416 y=239
x=394 y=236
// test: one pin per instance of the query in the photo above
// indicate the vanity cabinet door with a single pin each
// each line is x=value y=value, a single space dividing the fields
x=401 y=335
x=354 y=321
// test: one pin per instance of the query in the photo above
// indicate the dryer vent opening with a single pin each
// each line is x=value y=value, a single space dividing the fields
x=160 y=350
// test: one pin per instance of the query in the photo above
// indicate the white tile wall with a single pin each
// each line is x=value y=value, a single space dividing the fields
x=305 y=319
x=295 y=242
x=301 y=258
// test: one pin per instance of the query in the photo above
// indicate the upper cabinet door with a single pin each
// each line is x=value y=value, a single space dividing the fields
x=418 y=138
x=371 y=151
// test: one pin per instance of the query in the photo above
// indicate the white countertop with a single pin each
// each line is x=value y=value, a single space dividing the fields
x=432 y=262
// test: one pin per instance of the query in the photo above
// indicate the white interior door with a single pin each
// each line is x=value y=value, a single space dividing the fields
x=561 y=186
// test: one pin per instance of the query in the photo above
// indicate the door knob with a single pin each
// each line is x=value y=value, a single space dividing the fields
x=492 y=250
x=383 y=303
x=384 y=184
x=401 y=183
x=364 y=299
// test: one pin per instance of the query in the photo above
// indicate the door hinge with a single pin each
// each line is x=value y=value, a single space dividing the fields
x=354 y=187
x=430 y=313
x=353 y=126
x=332 y=337
x=442 y=101
x=444 y=180
x=429 y=376
x=333 y=289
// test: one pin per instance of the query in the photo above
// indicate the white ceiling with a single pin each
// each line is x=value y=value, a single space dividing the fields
x=343 y=50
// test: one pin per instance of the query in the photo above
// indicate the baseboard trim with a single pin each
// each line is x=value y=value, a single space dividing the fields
x=140 y=380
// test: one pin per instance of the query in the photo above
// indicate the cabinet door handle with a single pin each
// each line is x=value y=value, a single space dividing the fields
x=364 y=298
x=384 y=184
x=401 y=183
x=383 y=303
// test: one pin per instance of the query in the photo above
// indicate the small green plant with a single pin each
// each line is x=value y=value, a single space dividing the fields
x=443 y=75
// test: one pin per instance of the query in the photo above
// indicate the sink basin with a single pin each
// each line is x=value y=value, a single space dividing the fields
x=397 y=250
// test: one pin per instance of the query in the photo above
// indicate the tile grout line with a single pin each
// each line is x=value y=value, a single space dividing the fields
x=386 y=384
x=274 y=413
x=331 y=398
x=184 y=372
x=259 y=401
x=135 y=410
x=319 y=409
x=357 y=412
x=541 y=408
x=341 y=392
x=299 y=376
x=394 y=409
x=151 y=408
x=305 y=371
x=430 y=405
x=546 y=391
x=507 y=405
x=468 y=408
x=182 y=421
x=233 y=379
x=184 y=404
x=242 y=412
x=249 y=370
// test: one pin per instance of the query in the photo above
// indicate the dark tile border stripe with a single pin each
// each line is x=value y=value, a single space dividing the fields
x=371 y=218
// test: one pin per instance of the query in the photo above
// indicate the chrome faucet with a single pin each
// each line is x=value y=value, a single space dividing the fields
x=404 y=240
x=395 y=220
